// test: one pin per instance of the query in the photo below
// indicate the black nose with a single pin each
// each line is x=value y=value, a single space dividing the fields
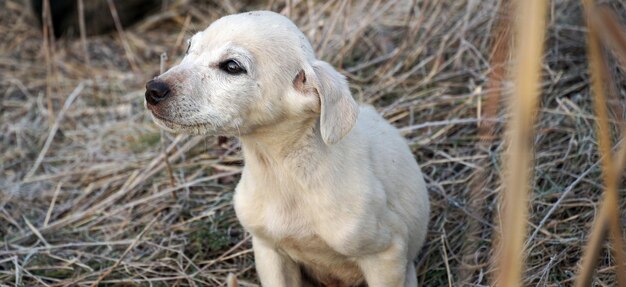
x=156 y=91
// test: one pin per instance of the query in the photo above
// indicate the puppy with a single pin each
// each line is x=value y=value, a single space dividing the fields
x=330 y=191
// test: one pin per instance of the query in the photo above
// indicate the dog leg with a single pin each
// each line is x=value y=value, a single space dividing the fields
x=388 y=268
x=411 y=276
x=275 y=269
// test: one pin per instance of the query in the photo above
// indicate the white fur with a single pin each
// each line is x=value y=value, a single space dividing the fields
x=329 y=189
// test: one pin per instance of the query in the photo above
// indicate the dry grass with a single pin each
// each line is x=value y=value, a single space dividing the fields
x=100 y=205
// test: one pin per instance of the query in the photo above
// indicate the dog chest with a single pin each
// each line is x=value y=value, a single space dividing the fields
x=286 y=223
x=271 y=213
x=320 y=262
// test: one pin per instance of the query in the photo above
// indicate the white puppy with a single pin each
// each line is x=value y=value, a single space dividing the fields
x=330 y=191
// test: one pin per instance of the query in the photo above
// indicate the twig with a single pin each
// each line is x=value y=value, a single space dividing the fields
x=132 y=182
x=181 y=36
x=48 y=44
x=35 y=231
x=162 y=61
x=556 y=205
x=83 y=31
x=166 y=159
x=64 y=246
x=210 y=263
x=120 y=31
x=441 y=123
x=54 y=199
x=54 y=128
x=128 y=249
x=445 y=260
x=18 y=276
x=331 y=27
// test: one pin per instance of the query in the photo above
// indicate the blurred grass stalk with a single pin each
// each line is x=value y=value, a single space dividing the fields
x=518 y=158
x=611 y=32
x=609 y=213
x=499 y=58
x=128 y=51
x=170 y=172
x=48 y=45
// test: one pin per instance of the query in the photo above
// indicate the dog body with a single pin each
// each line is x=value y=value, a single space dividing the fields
x=330 y=191
x=356 y=207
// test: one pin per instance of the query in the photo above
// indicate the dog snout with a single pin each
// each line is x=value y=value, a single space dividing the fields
x=157 y=91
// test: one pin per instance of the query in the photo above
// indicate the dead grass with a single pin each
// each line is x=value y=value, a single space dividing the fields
x=100 y=205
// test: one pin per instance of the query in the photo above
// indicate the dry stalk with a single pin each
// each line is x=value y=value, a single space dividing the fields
x=446 y=260
x=53 y=129
x=120 y=31
x=83 y=31
x=83 y=42
x=609 y=210
x=611 y=32
x=613 y=35
x=530 y=28
x=497 y=74
x=181 y=35
x=166 y=159
x=331 y=27
x=486 y=131
x=128 y=249
x=48 y=44
x=51 y=208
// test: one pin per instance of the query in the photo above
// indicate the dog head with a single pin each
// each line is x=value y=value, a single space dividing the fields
x=248 y=71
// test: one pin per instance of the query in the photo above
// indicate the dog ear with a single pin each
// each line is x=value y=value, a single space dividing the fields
x=339 y=111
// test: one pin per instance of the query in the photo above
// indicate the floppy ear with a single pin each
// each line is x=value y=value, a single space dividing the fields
x=339 y=111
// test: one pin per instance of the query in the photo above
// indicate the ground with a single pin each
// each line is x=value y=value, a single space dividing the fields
x=86 y=194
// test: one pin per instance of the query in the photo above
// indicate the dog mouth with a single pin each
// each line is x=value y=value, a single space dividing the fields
x=170 y=123
x=162 y=118
x=177 y=127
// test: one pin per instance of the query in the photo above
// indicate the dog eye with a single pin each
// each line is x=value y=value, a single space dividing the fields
x=232 y=67
x=188 y=46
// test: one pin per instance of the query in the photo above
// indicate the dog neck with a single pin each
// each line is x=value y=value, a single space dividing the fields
x=296 y=143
